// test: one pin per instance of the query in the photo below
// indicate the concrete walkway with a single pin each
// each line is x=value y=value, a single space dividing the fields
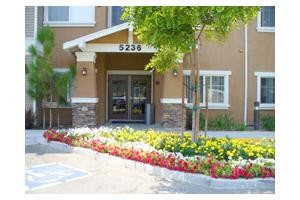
x=31 y=134
x=109 y=179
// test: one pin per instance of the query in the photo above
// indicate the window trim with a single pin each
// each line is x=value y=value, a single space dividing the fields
x=260 y=28
x=109 y=17
x=259 y=75
x=68 y=23
x=205 y=73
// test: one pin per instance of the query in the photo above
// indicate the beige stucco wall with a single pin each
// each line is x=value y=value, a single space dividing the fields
x=85 y=86
x=261 y=50
x=118 y=37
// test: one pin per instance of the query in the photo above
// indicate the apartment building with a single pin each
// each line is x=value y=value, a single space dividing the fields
x=112 y=85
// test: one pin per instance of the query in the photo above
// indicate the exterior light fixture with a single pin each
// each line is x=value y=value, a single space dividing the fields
x=84 y=71
x=175 y=73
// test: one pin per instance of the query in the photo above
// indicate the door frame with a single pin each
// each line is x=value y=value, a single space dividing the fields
x=126 y=72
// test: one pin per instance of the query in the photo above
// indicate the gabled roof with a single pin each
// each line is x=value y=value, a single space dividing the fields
x=80 y=42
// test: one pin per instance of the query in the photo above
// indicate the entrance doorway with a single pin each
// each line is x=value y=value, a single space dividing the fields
x=127 y=96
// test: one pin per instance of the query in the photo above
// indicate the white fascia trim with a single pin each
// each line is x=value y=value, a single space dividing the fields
x=73 y=43
x=61 y=70
x=69 y=24
x=172 y=100
x=109 y=48
x=188 y=72
x=84 y=100
x=85 y=56
x=265 y=74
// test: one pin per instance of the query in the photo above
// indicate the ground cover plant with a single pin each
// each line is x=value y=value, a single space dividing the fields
x=217 y=157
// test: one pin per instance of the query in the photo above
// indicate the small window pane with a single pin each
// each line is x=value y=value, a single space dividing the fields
x=216 y=89
x=58 y=13
x=116 y=13
x=188 y=89
x=202 y=87
x=267 y=94
x=268 y=16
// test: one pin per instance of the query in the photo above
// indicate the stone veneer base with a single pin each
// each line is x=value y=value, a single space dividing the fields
x=171 y=115
x=84 y=114
x=197 y=179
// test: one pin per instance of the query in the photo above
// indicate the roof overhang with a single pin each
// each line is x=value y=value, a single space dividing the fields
x=81 y=42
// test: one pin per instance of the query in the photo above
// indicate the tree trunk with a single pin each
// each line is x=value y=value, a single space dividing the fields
x=194 y=81
x=206 y=106
x=182 y=100
x=58 y=117
x=50 y=112
x=44 y=113
x=197 y=92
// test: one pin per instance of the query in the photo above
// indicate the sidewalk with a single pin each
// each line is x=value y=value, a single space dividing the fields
x=35 y=136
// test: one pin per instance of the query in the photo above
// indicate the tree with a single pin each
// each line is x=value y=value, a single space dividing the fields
x=177 y=31
x=40 y=71
x=44 y=84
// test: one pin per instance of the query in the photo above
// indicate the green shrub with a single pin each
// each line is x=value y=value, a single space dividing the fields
x=268 y=122
x=224 y=122
x=240 y=127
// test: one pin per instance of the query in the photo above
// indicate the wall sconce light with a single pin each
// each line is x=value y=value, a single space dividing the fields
x=175 y=73
x=84 y=71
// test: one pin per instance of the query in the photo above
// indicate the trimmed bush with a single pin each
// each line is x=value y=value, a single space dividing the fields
x=268 y=122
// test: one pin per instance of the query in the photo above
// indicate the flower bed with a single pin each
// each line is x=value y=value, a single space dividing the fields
x=113 y=141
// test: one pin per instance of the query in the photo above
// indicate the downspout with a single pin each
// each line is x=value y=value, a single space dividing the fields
x=246 y=73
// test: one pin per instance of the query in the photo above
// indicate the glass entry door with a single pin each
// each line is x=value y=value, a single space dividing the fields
x=127 y=96
x=140 y=95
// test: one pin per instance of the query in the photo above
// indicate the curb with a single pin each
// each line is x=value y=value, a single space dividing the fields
x=196 y=179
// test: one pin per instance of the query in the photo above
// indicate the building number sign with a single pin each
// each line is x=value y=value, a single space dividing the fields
x=130 y=47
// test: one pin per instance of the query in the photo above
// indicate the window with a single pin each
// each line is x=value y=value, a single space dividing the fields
x=58 y=13
x=266 y=89
x=217 y=88
x=115 y=13
x=69 y=16
x=266 y=19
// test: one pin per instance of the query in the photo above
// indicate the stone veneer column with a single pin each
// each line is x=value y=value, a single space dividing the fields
x=170 y=102
x=171 y=115
x=85 y=97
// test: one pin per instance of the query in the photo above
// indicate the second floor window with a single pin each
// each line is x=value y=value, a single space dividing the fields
x=267 y=16
x=266 y=19
x=115 y=15
x=58 y=13
x=69 y=16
